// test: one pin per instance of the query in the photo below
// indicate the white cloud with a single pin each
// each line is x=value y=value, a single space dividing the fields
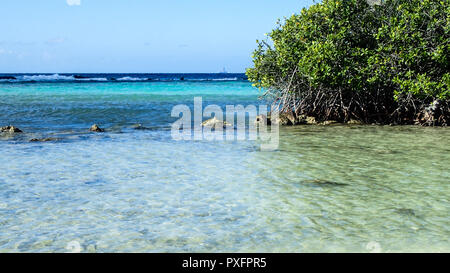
x=73 y=2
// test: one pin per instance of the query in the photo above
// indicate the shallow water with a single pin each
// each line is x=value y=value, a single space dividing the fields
x=327 y=188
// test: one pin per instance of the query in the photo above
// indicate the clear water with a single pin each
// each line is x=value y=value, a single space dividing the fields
x=326 y=189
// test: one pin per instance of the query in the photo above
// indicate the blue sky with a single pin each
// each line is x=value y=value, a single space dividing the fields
x=135 y=35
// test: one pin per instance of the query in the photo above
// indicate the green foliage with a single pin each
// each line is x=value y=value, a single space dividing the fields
x=413 y=48
x=371 y=55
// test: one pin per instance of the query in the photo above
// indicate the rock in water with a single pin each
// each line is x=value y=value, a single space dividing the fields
x=95 y=128
x=139 y=127
x=283 y=120
x=324 y=183
x=290 y=118
x=301 y=120
x=407 y=212
x=311 y=120
x=47 y=139
x=329 y=122
x=354 y=122
x=262 y=120
x=216 y=123
x=10 y=129
x=286 y=119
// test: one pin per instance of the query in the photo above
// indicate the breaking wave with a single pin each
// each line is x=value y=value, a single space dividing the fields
x=28 y=78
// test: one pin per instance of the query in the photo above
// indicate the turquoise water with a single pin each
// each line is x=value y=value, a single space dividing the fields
x=326 y=189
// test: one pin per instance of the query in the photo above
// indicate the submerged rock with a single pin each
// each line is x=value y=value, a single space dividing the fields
x=10 y=129
x=324 y=183
x=407 y=212
x=95 y=128
x=139 y=127
x=216 y=123
x=47 y=139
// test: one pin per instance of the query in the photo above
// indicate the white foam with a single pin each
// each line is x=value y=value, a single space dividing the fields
x=226 y=79
x=54 y=77
x=93 y=79
x=131 y=79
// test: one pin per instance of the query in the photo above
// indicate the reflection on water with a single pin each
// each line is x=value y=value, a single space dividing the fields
x=328 y=189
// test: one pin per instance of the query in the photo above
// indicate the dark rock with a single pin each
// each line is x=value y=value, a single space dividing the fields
x=95 y=128
x=324 y=183
x=139 y=127
x=10 y=129
x=407 y=212
x=80 y=77
x=47 y=139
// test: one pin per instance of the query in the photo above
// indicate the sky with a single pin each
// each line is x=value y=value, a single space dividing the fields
x=135 y=36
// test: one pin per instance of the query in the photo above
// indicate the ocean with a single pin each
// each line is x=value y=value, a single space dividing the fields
x=333 y=188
